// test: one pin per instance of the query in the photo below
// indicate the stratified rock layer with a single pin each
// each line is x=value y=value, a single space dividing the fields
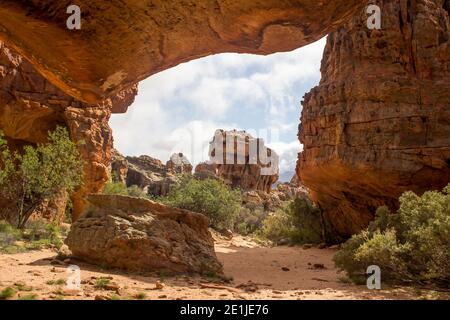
x=379 y=122
x=138 y=234
x=30 y=107
x=237 y=166
x=123 y=42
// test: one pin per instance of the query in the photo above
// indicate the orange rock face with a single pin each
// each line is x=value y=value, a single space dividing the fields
x=30 y=106
x=379 y=122
x=123 y=42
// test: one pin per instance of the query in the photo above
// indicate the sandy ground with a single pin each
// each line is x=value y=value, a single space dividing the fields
x=257 y=272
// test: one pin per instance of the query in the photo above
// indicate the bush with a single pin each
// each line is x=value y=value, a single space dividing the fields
x=298 y=221
x=34 y=236
x=7 y=293
x=249 y=220
x=410 y=246
x=115 y=188
x=27 y=179
x=119 y=188
x=209 y=197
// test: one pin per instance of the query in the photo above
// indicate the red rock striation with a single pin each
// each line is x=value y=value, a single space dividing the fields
x=379 y=122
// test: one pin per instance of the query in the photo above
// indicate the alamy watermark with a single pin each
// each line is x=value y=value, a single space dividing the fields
x=374 y=19
x=374 y=279
x=74 y=20
x=73 y=278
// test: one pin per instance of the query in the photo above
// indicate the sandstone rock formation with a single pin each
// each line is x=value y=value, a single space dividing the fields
x=123 y=42
x=141 y=235
x=148 y=173
x=244 y=164
x=179 y=164
x=30 y=106
x=275 y=199
x=119 y=167
x=379 y=122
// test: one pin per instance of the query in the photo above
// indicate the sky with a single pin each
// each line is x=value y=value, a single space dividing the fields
x=178 y=110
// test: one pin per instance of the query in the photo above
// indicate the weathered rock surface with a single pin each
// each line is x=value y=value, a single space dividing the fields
x=30 y=106
x=275 y=199
x=138 y=234
x=123 y=42
x=379 y=122
x=179 y=164
x=236 y=166
x=148 y=173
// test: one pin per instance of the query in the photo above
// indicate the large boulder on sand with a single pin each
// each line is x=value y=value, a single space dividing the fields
x=142 y=235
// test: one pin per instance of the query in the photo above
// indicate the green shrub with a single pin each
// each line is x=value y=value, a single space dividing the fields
x=58 y=282
x=141 y=296
x=209 y=197
x=249 y=220
x=297 y=221
x=29 y=297
x=135 y=191
x=115 y=188
x=8 y=234
x=7 y=293
x=21 y=286
x=119 y=188
x=29 y=178
x=101 y=283
x=35 y=236
x=412 y=245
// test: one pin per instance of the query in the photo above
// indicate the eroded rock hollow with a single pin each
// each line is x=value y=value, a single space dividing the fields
x=379 y=122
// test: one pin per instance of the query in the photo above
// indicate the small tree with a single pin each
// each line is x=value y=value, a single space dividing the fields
x=27 y=179
x=297 y=221
x=209 y=197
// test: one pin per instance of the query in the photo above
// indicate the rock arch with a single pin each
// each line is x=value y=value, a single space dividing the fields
x=364 y=143
x=123 y=42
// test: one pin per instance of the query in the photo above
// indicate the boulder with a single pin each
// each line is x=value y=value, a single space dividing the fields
x=141 y=235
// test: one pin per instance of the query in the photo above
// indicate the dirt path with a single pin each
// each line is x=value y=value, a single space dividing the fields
x=257 y=272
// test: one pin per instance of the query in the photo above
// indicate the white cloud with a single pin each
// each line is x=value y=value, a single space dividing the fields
x=178 y=110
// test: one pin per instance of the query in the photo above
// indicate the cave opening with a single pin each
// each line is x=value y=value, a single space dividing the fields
x=182 y=107
x=178 y=112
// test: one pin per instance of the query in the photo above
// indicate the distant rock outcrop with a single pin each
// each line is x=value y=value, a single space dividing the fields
x=141 y=235
x=248 y=164
x=179 y=164
x=379 y=122
x=148 y=173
